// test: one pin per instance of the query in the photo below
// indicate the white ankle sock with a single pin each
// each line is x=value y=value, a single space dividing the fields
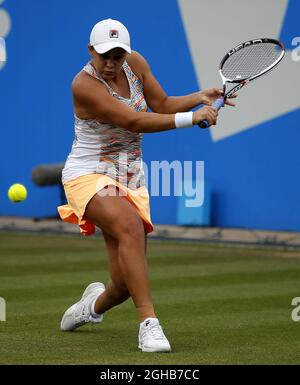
x=93 y=313
x=149 y=320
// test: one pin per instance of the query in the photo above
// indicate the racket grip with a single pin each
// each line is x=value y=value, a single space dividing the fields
x=219 y=103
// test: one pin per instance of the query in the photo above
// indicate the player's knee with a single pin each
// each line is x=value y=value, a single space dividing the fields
x=132 y=229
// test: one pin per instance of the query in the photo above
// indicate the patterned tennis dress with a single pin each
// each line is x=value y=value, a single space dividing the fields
x=104 y=154
x=106 y=148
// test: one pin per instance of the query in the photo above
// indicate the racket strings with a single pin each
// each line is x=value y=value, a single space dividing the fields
x=251 y=60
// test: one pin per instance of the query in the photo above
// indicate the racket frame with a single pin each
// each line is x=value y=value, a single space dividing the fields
x=240 y=83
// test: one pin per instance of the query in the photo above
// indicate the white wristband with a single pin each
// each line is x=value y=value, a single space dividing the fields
x=183 y=119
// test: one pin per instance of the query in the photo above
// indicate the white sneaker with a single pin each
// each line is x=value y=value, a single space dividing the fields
x=152 y=338
x=80 y=313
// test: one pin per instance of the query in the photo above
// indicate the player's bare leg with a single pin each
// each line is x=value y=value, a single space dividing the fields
x=119 y=219
x=126 y=243
x=116 y=290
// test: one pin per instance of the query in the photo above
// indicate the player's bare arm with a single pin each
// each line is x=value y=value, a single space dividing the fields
x=159 y=101
x=93 y=101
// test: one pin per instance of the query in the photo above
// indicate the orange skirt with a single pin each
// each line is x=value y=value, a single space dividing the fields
x=81 y=190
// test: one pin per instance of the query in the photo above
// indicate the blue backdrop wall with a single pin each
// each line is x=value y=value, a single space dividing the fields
x=254 y=174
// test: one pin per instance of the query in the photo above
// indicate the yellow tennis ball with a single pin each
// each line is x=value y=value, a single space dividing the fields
x=17 y=193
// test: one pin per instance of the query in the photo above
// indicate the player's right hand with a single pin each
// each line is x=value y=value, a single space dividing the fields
x=208 y=113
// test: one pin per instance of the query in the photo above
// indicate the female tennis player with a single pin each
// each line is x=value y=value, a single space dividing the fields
x=103 y=175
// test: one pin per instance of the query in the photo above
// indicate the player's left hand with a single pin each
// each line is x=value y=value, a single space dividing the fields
x=209 y=96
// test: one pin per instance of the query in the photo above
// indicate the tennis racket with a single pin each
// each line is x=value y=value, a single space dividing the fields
x=246 y=62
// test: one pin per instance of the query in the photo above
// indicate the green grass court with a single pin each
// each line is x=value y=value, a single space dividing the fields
x=217 y=304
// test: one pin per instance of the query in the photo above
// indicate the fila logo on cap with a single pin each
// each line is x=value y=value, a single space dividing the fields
x=113 y=33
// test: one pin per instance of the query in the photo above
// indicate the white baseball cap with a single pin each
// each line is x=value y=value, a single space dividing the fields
x=109 y=34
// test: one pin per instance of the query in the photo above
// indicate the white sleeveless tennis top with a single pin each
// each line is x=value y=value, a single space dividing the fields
x=106 y=148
